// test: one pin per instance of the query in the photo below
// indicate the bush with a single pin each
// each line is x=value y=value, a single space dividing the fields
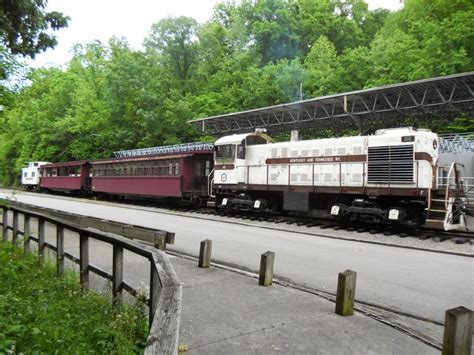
x=42 y=313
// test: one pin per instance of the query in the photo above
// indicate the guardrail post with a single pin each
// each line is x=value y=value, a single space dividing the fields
x=26 y=234
x=266 y=268
x=84 y=259
x=346 y=284
x=117 y=272
x=5 y=224
x=155 y=287
x=161 y=245
x=205 y=251
x=457 y=338
x=41 y=239
x=60 y=250
x=15 y=228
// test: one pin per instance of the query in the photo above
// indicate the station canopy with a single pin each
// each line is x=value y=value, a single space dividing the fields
x=413 y=103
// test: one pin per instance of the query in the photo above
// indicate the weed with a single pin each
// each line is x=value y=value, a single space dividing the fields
x=41 y=313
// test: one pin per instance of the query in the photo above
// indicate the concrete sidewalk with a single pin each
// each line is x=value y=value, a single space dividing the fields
x=224 y=312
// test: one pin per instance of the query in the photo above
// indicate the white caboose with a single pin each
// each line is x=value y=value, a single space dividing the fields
x=387 y=177
x=30 y=177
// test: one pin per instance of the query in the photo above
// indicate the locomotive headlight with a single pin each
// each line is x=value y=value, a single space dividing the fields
x=223 y=177
x=256 y=204
x=335 y=210
x=393 y=214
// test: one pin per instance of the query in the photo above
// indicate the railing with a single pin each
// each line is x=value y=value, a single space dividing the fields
x=467 y=184
x=165 y=296
x=210 y=184
x=338 y=173
x=452 y=174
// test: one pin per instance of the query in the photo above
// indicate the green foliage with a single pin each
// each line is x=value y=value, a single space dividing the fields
x=40 y=313
x=25 y=26
x=250 y=54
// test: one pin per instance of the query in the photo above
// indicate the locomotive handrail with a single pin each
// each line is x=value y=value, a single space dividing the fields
x=451 y=170
x=210 y=182
x=338 y=182
x=165 y=297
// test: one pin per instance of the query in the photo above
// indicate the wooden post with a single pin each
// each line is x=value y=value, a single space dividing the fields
x=457 y=331
x=155 y=287
x=205 y=251
x=5 y=224
x=60 y=252
x=84 y=259
x=15 y=228
x=161 y=245
x=117 y=272
x=41 y=239
x=266 y=268
x=26 y=235
x=346 y=284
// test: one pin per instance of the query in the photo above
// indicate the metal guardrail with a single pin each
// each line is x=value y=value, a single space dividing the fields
x=165 y=289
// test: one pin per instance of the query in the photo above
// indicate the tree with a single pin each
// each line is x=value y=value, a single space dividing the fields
x=175 y=39
x=25 y=25
x=324 y=69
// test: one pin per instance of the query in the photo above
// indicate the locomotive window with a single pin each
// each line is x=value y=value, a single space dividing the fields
x=225 y=151
x=25 y=174
x=241 y=151
x=208 y=168
x=252 y=140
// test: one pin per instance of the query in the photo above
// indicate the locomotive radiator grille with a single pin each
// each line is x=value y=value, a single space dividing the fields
x=392 y=164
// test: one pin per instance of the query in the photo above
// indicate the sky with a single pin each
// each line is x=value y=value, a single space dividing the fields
x=103 y=19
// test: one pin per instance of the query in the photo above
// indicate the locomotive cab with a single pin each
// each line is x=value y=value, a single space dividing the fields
x=230 y=168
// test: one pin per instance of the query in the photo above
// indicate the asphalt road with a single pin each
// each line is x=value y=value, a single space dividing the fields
x=422 y=283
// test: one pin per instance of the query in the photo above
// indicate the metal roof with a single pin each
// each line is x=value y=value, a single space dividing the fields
x=233 y=139
x=64 y=164
x=460 y=143
x=167 y=149
x=366 y=110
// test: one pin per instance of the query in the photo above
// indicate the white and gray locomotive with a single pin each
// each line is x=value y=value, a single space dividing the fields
x=389 y=177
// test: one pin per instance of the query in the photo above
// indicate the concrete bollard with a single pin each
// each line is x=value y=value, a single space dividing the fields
x=205 y=251
x=457 y=338
x=346 y=284
x=266 y=268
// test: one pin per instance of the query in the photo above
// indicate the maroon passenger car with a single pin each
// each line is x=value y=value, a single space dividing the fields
x=67 y=177
x=177 y=175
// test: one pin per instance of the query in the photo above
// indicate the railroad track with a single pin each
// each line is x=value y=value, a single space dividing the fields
x=421 y=233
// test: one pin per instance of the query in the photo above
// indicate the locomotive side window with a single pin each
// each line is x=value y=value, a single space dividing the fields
x=241 y=151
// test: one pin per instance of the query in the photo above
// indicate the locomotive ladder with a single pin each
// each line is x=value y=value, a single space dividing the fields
x=439 y=199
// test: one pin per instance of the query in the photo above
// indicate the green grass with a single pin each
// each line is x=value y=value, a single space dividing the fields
x=41 y=313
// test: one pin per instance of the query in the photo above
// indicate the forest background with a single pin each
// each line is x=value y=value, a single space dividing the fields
x=250 y=54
